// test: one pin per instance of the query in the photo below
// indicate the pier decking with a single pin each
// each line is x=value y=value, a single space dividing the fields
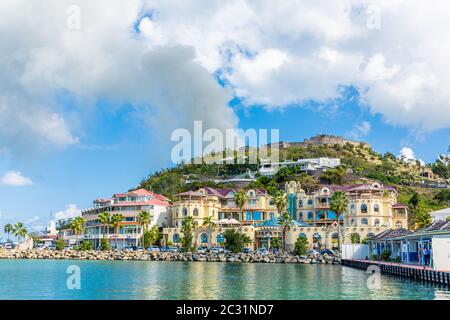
x=414 y=272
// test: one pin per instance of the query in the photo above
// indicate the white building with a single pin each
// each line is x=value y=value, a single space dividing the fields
x=440 y=214
x=271 y=168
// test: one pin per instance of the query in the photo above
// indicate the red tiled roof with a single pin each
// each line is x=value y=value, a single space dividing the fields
x=142 y=192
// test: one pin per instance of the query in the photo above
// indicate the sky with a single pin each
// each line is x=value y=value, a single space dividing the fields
x=90 y=93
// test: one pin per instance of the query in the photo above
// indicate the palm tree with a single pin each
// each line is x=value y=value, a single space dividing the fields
x=189 y=224
x=338 y=204
x=8 y=229
x=241 y=199
x=77 y=226
x=284 y=219
x=209 y=224
x=20 y=231
x=144 y=219
x=105 y=219
x=116 y=220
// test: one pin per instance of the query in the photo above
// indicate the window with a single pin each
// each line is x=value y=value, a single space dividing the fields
x=204 y=238
x=352 y=208
x=316 y=237
x=310 y=202
x=178 y=213
x=176 y=238
x=220 y=238
x=272 y=215
x=300 y=216
x=364 y=221
x=376 y=207
x=251 y=195
x=300 y=203
x=398 y=224
x=377 y=223
x=310 y=215
x=364 y=208
x=370 y=235
x=195 y=212
x=185 y=212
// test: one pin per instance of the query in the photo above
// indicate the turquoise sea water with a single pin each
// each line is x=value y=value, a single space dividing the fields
x=46 y=279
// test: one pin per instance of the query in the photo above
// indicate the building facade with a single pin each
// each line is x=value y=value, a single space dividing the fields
x=270 y=169
x=130 y=205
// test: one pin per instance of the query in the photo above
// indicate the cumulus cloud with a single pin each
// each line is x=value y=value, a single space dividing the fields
x=15 y=179
x=44 y=57
x=407 y=155
x=298 y=51
x=71 y=211
x=163 y=57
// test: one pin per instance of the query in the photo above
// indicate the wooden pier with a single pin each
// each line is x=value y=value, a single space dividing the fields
x=417 y=273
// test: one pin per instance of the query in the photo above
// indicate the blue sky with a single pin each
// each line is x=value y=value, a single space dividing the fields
x=88 y=101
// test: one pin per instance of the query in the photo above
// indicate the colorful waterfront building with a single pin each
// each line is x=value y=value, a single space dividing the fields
x=372 y=208
x=129 y=205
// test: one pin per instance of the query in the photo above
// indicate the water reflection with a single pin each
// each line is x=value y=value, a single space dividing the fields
x=46 y=279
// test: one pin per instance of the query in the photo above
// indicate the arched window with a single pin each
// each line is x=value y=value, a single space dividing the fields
x=352 y=208
x=300 y=216
x=398 y=224
x=364 y=221
x=196 y=212
x=300 y=203
x=250 y=194
x=220 y=238
x=302 y=235
x=185 y=212
x=204 y=238
x=272 y=215
x=364 y=208
x=376 y=207
x=316 y=237
x=310 y=202
x=310 y=215
x=352 y=222
x=370 y=235
x=377 y=223
x=176 y=238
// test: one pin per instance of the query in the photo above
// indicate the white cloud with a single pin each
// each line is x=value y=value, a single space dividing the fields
x=70 y=211
x=273 y=55
x=407 y=155
x=15 y=179
x=360 y=130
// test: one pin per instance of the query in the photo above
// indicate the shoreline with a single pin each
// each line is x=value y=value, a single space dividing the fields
x=117 y=255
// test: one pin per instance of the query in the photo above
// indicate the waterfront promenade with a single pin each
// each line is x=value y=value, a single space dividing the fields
x=414 y=272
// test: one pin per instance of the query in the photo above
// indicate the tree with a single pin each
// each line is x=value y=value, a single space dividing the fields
x=8 y=230
x=338 y=204
x=414 y=201
x=186 y=229
x=105 y=220
x=209 y=224
x=19 y=231
x=104 y=244
x=63 y=224
x=422 y=217
x=144 y=219
x=335 y=176
x=275 y=243
x=77 y=226
x=241 y=199
x=116 y=221
x=301 y=245
x=60 y=244
x=286 y=221
x=354 y=238
x=150 y=236
x=308 y=183
x=235 y=241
